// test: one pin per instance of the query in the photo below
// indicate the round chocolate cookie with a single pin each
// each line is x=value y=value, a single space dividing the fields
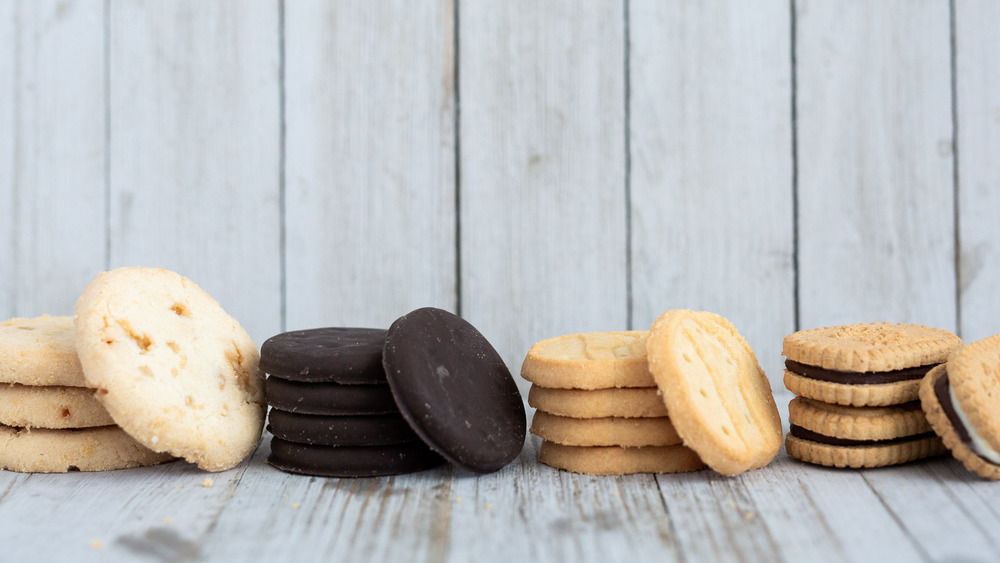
x=326 y=355
x=454 y=390
x=375 y=430
x=328 y=398
x=370 y=461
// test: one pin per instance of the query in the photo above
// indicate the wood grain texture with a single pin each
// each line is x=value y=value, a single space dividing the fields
x=977 y=87
x=542 y=170
x=711 y=176
x=875 y=190
x=370 y=161
x=54 y=138
x=195 y=149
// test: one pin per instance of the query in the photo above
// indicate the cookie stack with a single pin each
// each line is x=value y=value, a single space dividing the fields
x=50 y=421
x=857 y=388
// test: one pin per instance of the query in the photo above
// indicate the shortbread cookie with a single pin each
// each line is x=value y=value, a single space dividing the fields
x=616 y=460
x=39 y=351
x=171 y=367
x=873 y=364
x=371 y=461
x=604 y=431
x=58 y=451
x=857 y=456
x=27 y=406
x=329 y=398
x=962 y=402
x=372 y=430
x=718 y=397
x=326 y=355
x=594 y=360
x=627 y=402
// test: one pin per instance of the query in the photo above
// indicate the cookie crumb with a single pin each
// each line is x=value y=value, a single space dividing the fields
x=177 y=487
x=207 y=482
x=489 y=506
x=96 y=543
x=168 y=521
x=749 y=515
x=296 y=505
x=615 y=494
x=458 y=499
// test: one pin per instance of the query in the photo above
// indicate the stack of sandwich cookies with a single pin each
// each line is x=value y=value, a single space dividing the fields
x=598 y=410
x=49 y=420
x=857 y=387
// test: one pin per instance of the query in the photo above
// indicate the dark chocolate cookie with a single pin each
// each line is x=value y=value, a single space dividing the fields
x=374 y=430
x=365 y=461
x=328 y=398
x=326 y=355
x=454 y=390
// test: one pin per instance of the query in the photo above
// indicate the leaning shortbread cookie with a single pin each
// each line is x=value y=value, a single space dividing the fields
x=625 y=402
x=594 y=360
x=718 y=398
x=874 y=364
x=58 y=451
x=28 y=406
x=39 y=351
x=172 y=368
x=962 y=402
x=609 y=431
x=616 y=460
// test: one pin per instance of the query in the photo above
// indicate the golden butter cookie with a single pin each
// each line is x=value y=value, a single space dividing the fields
x=614 y=460
x=870 y=347
x=626 y=402
x=858 y=423
x=27 y=406
x=863 y=456
x=604 y=431
x=39 y=351
x=962 y=402
x=593 y=360
x=58 y=451
x=171 y=367
x=718 y=397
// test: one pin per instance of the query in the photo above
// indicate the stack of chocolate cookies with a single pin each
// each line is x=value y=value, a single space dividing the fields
x=857 y=388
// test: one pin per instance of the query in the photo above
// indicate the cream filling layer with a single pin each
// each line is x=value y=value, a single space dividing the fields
x=978 y=444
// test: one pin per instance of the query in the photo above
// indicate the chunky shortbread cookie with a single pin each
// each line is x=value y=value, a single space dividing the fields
x=39 y=351
x=616 y=460
x=58 y=451
x=863 y=456
x=171 y=367
x=594 y=360
x=626 y=402
x=604 y=431
x=962 y=402
x=51 y=407
x=858 y=423
x=718 y=397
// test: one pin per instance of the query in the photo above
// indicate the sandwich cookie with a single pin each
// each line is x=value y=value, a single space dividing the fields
x=58 y=451
x=633 y=402
x=617 y=460
x=610 y=431
x=594 y=360
x=962 y=402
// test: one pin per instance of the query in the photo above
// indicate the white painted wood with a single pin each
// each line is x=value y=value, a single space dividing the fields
x=195 y=149
x=542 y=176
x=370 y=111
x=978 y=110
x=54 y=138
x=711 y=174
x=875 y=190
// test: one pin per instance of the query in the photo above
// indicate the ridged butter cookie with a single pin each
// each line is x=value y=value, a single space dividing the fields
x=625 y=402
x=86 y=449
x=593 y=360
x=171 y=367
x=39 y=351
x=614 y=460
x=51 y=407
x=609 y=431
x=718 y=397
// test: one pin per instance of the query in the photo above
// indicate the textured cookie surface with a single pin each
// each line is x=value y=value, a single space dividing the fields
x=51 y=407
x=59 y=451
x=39 y=351
x=615 y=460
x=858 y=423
x=863 y=456
x=634 y=402
x=370 y=461
x=328 y=398
x=718 y=397
x=332 y=355
x=974 y=376
x=852 y=394
x=593 y=360
x=604 y=431
x=171 y=367
x=870 y=347
x=369 y=430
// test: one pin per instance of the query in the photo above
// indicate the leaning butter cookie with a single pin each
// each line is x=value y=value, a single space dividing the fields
x=171 y=367
x=39 y=351
x=86 y=449
x=594 y=360
x=27 y=406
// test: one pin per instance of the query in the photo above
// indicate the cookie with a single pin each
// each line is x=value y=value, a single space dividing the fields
x=328 y=398
x=873 y=364
x=27 y=406
x=609 y=431
x=962 y=402
x=454 y=390
x=58 y=451
x=859 y=456
x=171 y=367
x=39 y=351
x=593 y=360
x=718 y=398
x=628 y=402
x=614 y=460
x=373 y=430
x=326 y=355
x=371 y=461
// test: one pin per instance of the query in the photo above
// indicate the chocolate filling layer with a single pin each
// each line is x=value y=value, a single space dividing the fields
x=855 y=377
x=942 y=389
x=804 y=434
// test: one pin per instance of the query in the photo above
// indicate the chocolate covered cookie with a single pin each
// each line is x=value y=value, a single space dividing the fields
x=329 y=398
x=347 y=356
x=369 y=461
x=371 y=430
